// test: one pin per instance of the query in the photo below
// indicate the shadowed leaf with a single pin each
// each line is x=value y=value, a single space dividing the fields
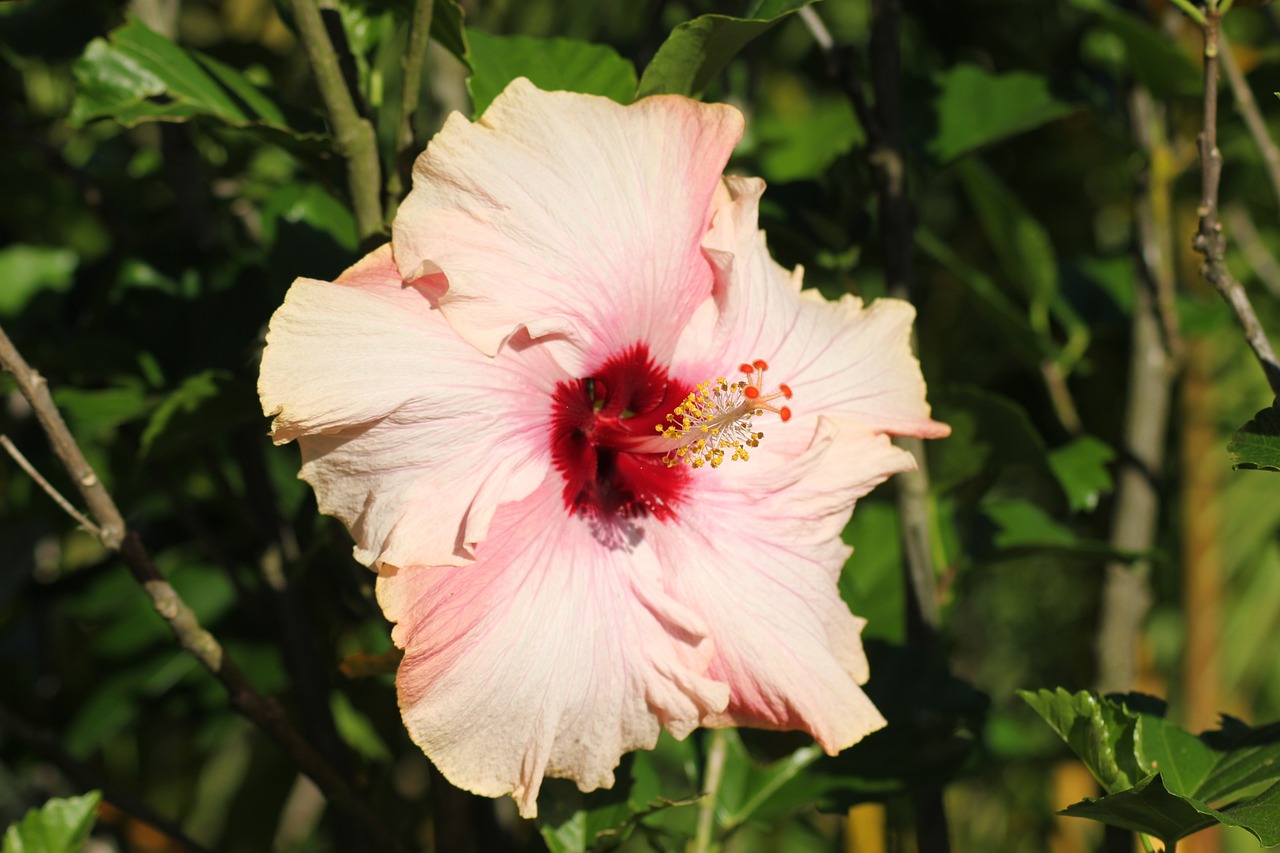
x=1256 y=445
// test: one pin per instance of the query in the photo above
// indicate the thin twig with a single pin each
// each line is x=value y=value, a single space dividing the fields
x=263 y=711
x=354 y=134
x=1247 y=106
x=411 y=67
x=717 y=751
x=49 y=490
x=1209 y=240
x=36 y=390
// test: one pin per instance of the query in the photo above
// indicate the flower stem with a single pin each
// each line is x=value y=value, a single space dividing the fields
x=354 y=134
x=1191 y=10
x=411 y=67
x=717 y=751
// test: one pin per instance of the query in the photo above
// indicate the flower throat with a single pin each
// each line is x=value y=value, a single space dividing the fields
x=626 y=437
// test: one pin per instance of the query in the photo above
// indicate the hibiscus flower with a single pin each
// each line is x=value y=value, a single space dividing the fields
x=598 y=446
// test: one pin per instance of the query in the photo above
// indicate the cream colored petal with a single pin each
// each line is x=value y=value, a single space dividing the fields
x=551 y=655
x=569 y=216
x=409 y=435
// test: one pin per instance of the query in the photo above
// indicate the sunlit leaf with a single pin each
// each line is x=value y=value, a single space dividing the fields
x=1081 y=466
x=1021 y=524
x=696 y=50
x=1102 y=733
x=872 y=580
x=573 y=822
x=800 y=135
x=137 y=75
x=976 y=107
x=550 y=64
x=27 y=271
x=59 y=826
x=1184 y=782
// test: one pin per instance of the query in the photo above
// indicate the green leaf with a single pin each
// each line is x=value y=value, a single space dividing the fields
x=448 y=31
x=357 y=729
x=976 y=107
x=1153 y=57
x=1146 y=807
x=1185 y=782
x=696 y=50
x=766 y=785
x=309 y=204
x=137 y=75
x=872 y=581
x=186 y=398
x=935 y=720
x=59 y=826
x=1021 y=244
x=1010 y=320
x=26 y=271
x=1081 y=467
x=1102 y=733
x=801 y=135
x=1023 y=524
x=989 y=432
x=573 y=822
x=1256 y=445
x=551 y=64
x=98 y=413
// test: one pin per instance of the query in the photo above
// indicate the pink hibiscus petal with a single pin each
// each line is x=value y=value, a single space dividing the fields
x=786 y=643
x=551 y=655
x=409 y=435
x=569 y=216
x=841 y=359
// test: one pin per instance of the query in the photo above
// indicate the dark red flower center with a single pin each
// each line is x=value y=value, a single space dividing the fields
x=598 y=421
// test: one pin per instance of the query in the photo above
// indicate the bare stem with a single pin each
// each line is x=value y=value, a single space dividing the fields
x=1209 y=240
x=112 y=532
x=411 y=67
x=354 y=134
x=717 y=752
